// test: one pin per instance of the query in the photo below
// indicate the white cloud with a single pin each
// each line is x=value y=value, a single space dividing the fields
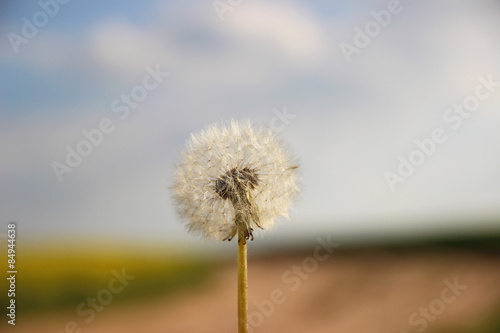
x=297 y=33
x=124 y=49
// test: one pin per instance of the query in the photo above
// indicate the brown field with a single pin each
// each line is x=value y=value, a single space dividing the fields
x=349 y=292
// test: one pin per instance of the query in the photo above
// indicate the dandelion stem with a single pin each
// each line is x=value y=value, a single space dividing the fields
x=242 y=284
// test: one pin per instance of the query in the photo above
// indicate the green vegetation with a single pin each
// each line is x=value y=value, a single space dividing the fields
x=64 y=277
x=490 y=326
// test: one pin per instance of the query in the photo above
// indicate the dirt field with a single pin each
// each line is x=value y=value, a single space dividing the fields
x=353 y=292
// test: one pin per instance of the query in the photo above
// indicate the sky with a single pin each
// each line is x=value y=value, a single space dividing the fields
x=393 y=109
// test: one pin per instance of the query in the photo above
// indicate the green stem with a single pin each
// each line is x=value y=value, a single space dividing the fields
x=242 y=284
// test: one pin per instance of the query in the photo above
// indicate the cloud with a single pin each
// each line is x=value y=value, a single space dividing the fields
x=123 y=48
x=296 y=33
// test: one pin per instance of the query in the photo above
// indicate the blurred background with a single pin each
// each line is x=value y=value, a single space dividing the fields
x=397 y=228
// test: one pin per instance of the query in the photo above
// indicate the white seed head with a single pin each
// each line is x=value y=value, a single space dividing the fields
x=234 y=178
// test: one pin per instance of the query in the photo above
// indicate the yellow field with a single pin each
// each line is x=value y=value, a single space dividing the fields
x=64 y=276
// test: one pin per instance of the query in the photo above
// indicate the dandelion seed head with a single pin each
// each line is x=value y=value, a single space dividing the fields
x=234 y=172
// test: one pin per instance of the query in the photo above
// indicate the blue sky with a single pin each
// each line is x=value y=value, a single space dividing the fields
x=352 y=119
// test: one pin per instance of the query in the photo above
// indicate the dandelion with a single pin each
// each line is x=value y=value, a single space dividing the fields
x=232 y=180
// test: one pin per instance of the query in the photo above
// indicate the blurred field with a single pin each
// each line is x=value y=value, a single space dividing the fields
x=61 y=276
x=356 y=290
